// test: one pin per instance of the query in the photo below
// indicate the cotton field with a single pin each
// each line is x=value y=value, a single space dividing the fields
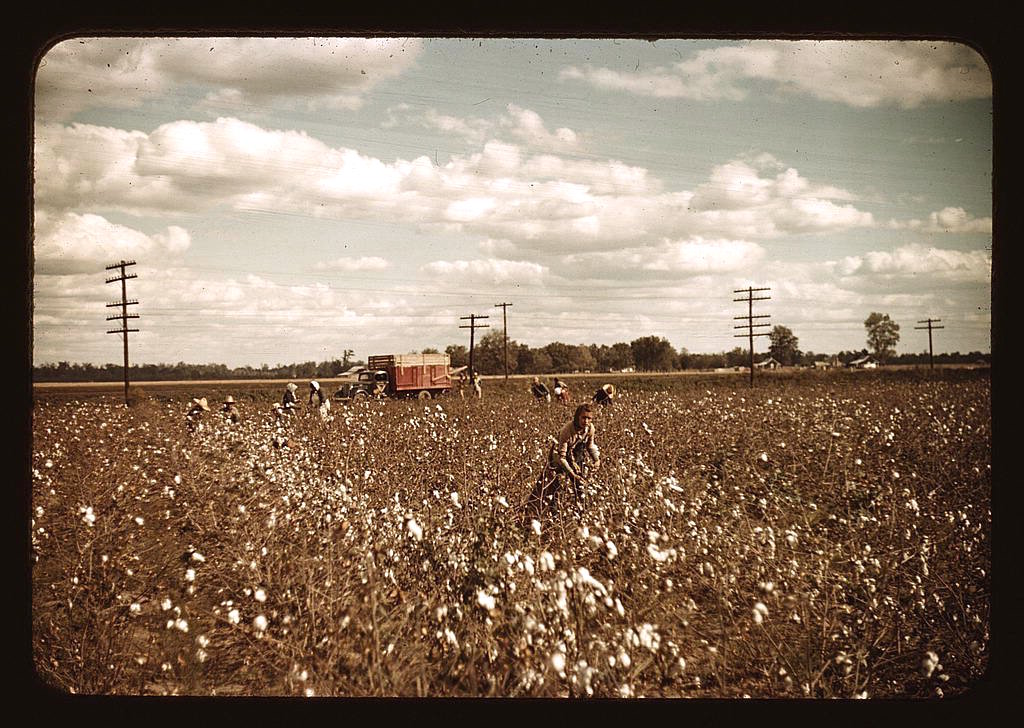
x=806 y=538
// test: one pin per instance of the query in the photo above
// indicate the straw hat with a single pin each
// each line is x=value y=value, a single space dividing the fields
x=202 y=403
x=229 y=400
x=291 y=387
x=610 y=389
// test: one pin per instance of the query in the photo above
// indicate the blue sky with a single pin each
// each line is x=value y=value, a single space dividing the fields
x=289 y=198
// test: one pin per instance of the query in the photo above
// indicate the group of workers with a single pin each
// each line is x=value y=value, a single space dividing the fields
x=563 y=394
x=289 y=402
x=571 y=456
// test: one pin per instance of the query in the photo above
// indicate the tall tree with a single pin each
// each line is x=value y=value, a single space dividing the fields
x=783 y=346
x=489 y=353
x=653 y=353
x=883 y=334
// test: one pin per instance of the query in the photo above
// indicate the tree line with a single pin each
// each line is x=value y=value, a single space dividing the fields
x=644 y=354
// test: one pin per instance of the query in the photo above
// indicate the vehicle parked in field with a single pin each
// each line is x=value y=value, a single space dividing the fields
x=400 y=375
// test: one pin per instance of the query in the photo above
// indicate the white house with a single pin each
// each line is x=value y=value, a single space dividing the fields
x=769 y=363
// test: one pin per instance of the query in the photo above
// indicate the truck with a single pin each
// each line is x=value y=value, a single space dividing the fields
x=399 y=375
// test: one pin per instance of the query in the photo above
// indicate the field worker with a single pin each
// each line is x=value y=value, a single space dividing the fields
x=539 y=390
x=604 y=395
x=474 y=379
x=317 y=396
x=229 y=410
x=562 y=392
x=567 y=458
x=460 y=384
x=195 y=414
x=289 y=402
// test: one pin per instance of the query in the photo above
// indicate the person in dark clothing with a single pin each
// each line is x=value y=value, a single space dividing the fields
x=540 y=391
x=229 y=410
x=317 y=397
x=605 y=395
x=568 y=459
x=289 y=402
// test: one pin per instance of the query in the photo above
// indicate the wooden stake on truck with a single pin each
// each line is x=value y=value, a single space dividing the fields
x=401 y=375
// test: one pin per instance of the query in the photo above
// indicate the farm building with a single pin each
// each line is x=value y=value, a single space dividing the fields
x=864 y=362
x=769 y=363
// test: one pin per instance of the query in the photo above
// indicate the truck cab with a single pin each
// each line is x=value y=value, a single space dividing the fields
x=364 y=385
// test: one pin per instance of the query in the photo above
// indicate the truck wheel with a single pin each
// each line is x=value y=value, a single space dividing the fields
x=424 y=394
x=360 y=396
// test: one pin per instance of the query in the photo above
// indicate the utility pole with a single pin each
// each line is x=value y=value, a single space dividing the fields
x=930 y=321
x=473 y=326
x=504 y=321
x=124 y=303
x=750 y=325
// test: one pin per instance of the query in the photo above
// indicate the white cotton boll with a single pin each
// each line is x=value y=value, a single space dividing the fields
x=558 y=662
x=260 y=623
x=259 y=595
x=485 y=600
x=233 y=616
x=415 y=529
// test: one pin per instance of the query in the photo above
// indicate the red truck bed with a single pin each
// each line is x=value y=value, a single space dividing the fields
x=414 y=372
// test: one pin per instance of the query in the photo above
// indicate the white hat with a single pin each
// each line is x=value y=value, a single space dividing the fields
x=610 y=389
x=315 y=384
x=202 y=403
x=291 y=387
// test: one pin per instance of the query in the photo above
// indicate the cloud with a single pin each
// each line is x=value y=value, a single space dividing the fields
x=349 y=265
x=523 y=126
x=856 y=73
x=918 y=260
x=539 y=202
x=668 y=259
x=246 y=72
x=74 y=243
x=485 y=272
x=946 y=220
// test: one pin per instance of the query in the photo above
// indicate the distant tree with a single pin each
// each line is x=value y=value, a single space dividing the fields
x=738 y=357
x=883 y=335
x=562 y=356
x=653 y=353
x=346 y=358
x=430 y=350
x=489 y=354
x=532 y=361
x=620 y=356
x=783 y=346
x=458 y=354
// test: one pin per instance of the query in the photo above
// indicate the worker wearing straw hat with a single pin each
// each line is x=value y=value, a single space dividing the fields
x=195 y=414
x=605 y=395
x=229 y=410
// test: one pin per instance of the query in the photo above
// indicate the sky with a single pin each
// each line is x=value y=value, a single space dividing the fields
x=287 y=198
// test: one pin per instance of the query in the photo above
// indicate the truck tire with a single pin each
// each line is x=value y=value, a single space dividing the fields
x=424 y=394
